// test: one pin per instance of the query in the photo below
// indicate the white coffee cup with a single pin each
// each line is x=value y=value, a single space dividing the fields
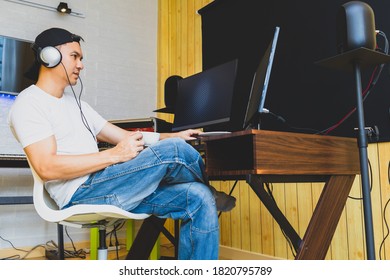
x=150 y=138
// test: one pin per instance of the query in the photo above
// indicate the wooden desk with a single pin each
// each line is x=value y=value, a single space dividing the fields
x=260 y=156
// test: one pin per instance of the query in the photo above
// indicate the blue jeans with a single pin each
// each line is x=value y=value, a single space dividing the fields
x=166 y=180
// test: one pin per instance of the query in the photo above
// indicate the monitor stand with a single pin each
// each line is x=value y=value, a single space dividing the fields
x=255 y=123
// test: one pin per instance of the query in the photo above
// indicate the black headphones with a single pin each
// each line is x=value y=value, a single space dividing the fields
x=49 y=56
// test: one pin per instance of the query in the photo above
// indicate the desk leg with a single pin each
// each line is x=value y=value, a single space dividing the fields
x=148 y=235
x=145 y=239
x=321 y=228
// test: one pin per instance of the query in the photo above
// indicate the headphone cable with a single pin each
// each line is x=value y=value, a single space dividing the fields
x=78 y=101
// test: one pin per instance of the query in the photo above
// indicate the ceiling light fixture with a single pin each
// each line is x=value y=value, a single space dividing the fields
x=49 y=8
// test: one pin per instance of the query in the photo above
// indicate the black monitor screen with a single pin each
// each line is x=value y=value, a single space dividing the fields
x=205 y=98
x=260 y=84
x=16 y=57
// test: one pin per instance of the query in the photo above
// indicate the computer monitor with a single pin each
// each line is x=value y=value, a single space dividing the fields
x=205 y=99
x=259 y=87
x=16 y=57
x=8 y=143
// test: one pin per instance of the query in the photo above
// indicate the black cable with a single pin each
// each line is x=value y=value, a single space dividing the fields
x=387 y=228
x=12 y=244
x=52 y=246
x=234 y=185
x=71 y=240
x=325 y=131
x=371 y=182
x=384 y=217
x=269 y=191
x=388 y=172
x=366 y=93
x=18 y=257
x=113 y=233
x=31 y=250
x=116 y=243
x=83 y=117
x=289 y=242
x=13 y=257
x=78 y=101
x=283 y=120
x=370 y=86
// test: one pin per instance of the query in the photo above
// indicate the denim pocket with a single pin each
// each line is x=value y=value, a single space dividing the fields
x=104 y=199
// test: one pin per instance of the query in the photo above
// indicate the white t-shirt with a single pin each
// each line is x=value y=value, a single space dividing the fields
x=36 y=115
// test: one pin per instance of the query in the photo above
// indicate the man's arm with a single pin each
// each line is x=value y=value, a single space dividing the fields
x=113 y=134
x=50 y=166
x=188 y=134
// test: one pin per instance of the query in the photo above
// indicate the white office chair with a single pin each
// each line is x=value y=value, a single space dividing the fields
x=80 y=216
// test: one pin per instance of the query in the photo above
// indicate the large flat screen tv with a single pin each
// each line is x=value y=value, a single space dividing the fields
x=16 y=57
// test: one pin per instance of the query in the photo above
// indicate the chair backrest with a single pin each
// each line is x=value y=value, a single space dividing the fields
x=78 y=214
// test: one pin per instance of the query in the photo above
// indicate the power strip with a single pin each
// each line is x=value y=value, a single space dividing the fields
x=110 y=248
x=52 y=254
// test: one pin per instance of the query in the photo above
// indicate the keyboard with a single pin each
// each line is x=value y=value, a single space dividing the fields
x=13 y=156
x=213 y=133
x=13 y=160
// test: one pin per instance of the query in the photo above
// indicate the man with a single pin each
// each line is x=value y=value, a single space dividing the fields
x=59 y=134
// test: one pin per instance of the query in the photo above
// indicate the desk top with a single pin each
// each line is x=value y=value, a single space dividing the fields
x=280 y=153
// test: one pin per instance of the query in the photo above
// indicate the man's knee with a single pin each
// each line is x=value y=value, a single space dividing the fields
x=181 y=149
x=173 y=141
x=201 y=195
x=205 y=216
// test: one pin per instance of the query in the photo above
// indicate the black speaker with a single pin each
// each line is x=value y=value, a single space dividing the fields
x=355 y=27
x=48 y=56
x=170 y=94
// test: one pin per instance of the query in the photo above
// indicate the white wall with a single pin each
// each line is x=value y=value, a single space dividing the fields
x=120 y=78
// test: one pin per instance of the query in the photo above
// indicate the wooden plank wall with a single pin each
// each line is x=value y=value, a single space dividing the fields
x=249 y=226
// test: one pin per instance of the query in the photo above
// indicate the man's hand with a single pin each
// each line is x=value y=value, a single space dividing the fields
x=129 y=147
x=189 y=134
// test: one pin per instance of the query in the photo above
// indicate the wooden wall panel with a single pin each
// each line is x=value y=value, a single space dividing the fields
x=249 y=226
x=355 y=222
x=225 y=218
x=179 y=43
x=282 y=247
x=384 y=175
x=375 y=195
x=255 y=223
